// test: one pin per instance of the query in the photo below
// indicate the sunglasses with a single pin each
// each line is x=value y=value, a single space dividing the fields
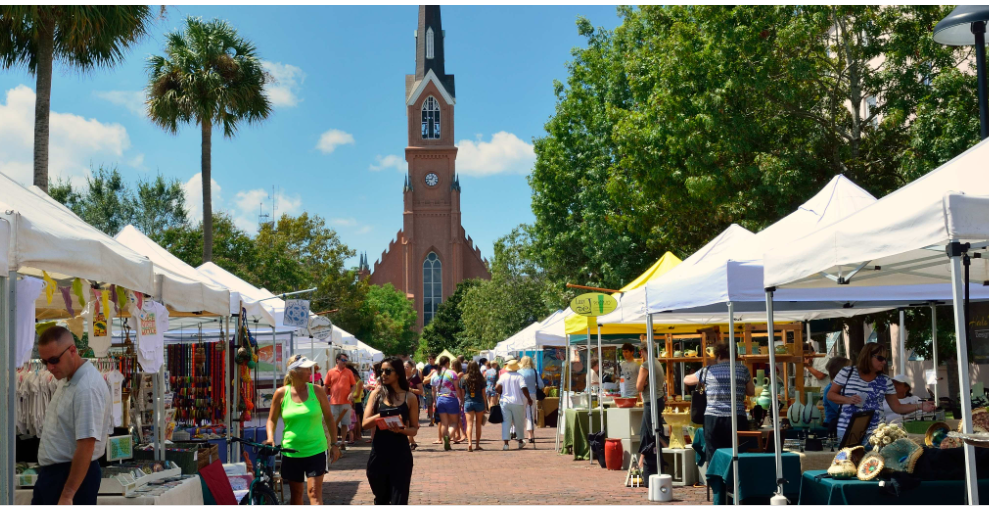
x=342 y=359
x=881 y=359
x=54 y=360
x=387 y=370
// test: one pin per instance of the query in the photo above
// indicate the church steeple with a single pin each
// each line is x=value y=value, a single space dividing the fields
x=430 y=51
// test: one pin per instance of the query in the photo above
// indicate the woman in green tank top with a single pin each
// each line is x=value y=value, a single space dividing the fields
x=305 y=414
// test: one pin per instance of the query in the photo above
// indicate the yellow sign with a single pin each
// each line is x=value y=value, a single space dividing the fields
x=593 y=304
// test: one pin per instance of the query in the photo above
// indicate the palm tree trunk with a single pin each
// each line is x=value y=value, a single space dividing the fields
x=207 y=125
x=42 y=102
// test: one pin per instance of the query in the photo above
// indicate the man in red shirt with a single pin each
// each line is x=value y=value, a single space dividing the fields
x=341 y=388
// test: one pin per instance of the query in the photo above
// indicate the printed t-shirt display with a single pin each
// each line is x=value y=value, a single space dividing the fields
x=28 y=290
x=341 y=384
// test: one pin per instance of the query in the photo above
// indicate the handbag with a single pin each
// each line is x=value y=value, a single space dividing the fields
x=698 y=402
x=495 y=416
x=540 y=394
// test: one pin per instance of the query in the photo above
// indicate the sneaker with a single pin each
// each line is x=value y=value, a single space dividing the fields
x=505 y=447
x=521 y=443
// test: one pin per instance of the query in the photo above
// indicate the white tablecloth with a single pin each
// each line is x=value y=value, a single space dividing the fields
x=188 y=492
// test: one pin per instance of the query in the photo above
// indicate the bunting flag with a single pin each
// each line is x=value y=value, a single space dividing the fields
x=121 y=298
x=77 y=290
x=113 y=297
x=76 y=326
x=50 y=287
x=105 y=297
x=67 y=298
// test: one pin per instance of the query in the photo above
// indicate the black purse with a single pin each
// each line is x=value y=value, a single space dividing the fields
x=698 y=402
x=495 y=416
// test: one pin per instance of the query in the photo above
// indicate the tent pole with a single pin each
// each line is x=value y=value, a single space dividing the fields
x=955 y=250
x=228 y=393
x=653 y=395
x=901 y=365
x=590 y=391
x=777 y=447
x=561 y=405
x=8 y=310
x=235 y=404
x=734 y=400
x=600 y=380
x=937 y=398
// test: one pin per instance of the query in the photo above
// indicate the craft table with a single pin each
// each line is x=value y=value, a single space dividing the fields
x=188 y=492
x=816 y=460
x=756 y=478
x=576 y=430
x=546 y=408
x=828 y=491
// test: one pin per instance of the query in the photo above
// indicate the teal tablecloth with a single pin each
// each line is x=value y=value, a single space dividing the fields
x=756 y=477
x=828 y=491
x=576 y=430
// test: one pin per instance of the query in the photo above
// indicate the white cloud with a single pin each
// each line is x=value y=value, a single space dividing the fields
x=288 y=79
x=194 y=197
x=133 y=101
x=333 y=138
x=390 y=161
x=364 y=230
x=74 y=143
x=344 y=222
x=505 y=153
x=248 y=204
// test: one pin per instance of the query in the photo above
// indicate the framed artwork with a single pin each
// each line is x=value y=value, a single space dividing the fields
x=858 y=429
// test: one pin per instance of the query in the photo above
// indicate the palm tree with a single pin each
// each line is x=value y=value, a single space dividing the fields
x=209 y=75
x=81 y=36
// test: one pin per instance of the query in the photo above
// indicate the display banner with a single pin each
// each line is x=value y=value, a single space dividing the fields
x=296 y=313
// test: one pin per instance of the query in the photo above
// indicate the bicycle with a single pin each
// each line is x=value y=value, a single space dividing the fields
x=261 y=491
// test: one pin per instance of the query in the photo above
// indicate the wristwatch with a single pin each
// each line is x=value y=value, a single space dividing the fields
x=337 y=444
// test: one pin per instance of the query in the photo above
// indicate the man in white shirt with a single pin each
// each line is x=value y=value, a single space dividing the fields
x=629 y=371
x=514 y=397
x=77 y=424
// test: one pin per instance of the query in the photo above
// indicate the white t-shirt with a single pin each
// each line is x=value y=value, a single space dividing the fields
x=893 y=417
x=511 y=383
x=115 y=380
x=595 y=378
x=151 y=325
x=630 y=374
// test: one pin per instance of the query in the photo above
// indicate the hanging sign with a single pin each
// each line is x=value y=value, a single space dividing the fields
x=320 y=328
x=296 y=313
x=593 y=304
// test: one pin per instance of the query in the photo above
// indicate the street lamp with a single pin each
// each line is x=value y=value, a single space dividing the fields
x=966 y=26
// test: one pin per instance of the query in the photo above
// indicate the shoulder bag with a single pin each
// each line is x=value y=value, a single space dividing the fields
x=698 y=401
x=540 y=395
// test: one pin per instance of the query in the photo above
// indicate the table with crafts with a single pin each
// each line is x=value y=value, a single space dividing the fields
x=816 y=488
x=577 y=426
x=756 y=476
x=547 y=407
x=187 y=492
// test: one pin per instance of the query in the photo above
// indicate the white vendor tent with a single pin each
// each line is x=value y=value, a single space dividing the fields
x=920 y=234
x=182 y=287
x=259 y=303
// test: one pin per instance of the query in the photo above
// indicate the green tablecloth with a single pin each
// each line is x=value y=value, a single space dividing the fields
x=575 y=433
x=828 y=491
x=756 y=477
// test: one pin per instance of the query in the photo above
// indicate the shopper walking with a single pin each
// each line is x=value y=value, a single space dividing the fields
x=475 y=404
x=491 y=378
x=717 y=385
x=533 y=379
x=863 y=387
x=446 y=384
x=341 y=387
x=304 y=411
x=514 y=394
x=389 y=467
x=427 y=371
x=648 y=446
x=357 y=414
x=76 y=426
x=415 y=387
x=458 y=435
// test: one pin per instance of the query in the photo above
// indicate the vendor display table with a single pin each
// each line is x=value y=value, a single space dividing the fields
x=815 y=460
x=188 y=492
x=546 y=408
x=828 y=491
x=756 y=478
x=575 y=434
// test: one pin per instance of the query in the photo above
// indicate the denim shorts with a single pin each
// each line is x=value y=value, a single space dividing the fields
x=447 y=405
x=473 y=406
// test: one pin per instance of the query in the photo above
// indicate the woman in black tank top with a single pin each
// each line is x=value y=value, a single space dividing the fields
x=389 y=467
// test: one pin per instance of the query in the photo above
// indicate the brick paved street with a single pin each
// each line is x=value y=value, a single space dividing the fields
x=493 y=476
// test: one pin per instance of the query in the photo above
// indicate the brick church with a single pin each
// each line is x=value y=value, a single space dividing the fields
x=432 y=253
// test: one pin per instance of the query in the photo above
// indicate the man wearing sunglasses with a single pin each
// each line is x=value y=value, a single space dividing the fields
x=341 y=386
x=76 y=426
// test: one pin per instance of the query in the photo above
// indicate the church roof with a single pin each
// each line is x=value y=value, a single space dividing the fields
x=430 y=20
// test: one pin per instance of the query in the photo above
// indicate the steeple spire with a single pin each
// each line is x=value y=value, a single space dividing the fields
x=430 y=49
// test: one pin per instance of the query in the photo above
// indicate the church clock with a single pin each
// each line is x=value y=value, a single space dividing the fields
x=432 y=179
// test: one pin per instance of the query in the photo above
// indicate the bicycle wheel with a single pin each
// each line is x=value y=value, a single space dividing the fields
x=260 y=495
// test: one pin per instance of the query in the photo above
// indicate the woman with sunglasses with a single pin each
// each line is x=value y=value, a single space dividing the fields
x=389 y=467
x=863 y=387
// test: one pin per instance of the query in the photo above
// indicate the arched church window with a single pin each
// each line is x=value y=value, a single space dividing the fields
x=429 y=43
x=432 y=286
x=431 y=118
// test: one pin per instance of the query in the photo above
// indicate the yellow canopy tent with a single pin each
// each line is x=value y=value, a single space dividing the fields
x=446 y=353
x=576 y=324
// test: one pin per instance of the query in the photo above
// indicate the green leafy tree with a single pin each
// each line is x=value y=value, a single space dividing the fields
x=212 y=77
x=83 y=37
x=235 y=251
x=446 y=329
x=390 y=320
x=157 y=205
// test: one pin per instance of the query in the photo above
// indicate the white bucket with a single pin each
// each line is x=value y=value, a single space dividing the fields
x=661 y=488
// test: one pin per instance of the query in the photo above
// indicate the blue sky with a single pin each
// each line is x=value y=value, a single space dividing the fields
x=335 y=143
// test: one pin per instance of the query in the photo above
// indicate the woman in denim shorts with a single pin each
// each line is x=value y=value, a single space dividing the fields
x=473 y=385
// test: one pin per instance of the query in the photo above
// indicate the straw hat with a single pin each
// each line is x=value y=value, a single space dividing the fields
x=512 y=365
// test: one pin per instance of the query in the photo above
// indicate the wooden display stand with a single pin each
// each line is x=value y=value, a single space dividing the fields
x=706 y=337
x=790 y=335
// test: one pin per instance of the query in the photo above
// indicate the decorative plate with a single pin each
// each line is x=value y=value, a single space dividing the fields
x=870 y=466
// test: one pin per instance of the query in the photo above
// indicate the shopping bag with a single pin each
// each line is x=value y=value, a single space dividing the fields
x=495 y=417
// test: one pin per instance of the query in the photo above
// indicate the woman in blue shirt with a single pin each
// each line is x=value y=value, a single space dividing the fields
x=534 y=381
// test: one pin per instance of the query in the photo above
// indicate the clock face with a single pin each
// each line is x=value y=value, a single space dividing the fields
x=432 y=179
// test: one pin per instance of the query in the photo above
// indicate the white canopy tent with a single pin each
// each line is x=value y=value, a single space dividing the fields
x=41 y=235
x=184 y=288
x=922 y=234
